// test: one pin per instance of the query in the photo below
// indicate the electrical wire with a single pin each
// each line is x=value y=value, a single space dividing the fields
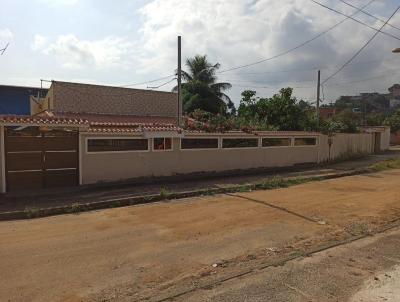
x=156 y=87
x=358 y=21
x=368 y=14
x=147 y=82
x=4 y=49
x=296 y=47
x=362 y=48
x=315 y=68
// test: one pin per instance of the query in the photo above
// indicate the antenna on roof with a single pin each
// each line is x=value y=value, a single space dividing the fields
x=4 y=49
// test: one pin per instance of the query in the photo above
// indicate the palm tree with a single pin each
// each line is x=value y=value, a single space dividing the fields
x=200 y=90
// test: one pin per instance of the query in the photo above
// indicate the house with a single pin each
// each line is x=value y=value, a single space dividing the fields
x=327 y=112
x=82 y=134
x=16 y=99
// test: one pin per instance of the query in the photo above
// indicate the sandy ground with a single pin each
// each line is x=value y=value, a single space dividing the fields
x=383 y=287
x=130 y=253
x=334 y=275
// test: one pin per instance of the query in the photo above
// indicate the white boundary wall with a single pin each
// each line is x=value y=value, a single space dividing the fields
x=116 y=166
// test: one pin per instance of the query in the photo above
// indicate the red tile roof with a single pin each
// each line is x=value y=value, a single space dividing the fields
x=27 y=119
x=114 y=120
x=107 y=123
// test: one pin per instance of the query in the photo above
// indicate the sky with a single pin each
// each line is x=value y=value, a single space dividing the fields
x=128 y=42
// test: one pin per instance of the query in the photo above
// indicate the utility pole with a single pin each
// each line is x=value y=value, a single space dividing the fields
x=180 y=114
x=318 y=96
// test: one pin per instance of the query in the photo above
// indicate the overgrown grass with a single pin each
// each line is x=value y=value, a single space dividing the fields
x=386 y=165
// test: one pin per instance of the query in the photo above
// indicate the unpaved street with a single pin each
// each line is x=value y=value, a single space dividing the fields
x=159 y=250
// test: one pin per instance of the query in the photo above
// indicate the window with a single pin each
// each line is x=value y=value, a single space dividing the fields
x=306 y=141
x=104 y=145
x=275 y=142
x=240 y=143
x=199 y=143
x=162 y=143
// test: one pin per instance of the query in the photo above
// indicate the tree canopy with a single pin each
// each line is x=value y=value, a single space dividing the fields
x=201 y=90
x=282 y=111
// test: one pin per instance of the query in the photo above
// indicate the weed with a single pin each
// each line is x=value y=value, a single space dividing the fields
x=386 y=165
x=32 y=212
x=297 y=253
x=357 y=228
x=75 y=208
x=164 y=193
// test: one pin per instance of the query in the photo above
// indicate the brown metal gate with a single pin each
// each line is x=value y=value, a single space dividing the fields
x=37 y=159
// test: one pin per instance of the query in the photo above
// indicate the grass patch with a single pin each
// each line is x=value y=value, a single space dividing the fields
x=32 y=212
x=386 y=165
x=165 y=193
x=76 y=208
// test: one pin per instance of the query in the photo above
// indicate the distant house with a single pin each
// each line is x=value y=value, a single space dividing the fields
x=16 y=99
x=327 y=112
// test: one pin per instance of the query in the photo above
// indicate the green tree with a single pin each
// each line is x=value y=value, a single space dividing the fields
x=393 y=121
x=282 y=111
x=200 y=89
x=348 y=120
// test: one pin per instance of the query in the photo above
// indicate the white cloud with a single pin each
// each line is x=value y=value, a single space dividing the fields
x=59 y=2
x=74 y=53
x=6 y=34
x=239 y=32
x=39 y=42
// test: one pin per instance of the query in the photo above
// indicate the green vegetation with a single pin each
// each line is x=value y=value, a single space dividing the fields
x=386 y=165
x=32 y=212
x=165 y=193
x=200 y=90
x=393 y=121
x=280 y=112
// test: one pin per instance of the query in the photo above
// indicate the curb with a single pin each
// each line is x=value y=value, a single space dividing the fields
x=145 y=199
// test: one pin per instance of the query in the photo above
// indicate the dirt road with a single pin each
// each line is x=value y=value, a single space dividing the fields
x=156 y=250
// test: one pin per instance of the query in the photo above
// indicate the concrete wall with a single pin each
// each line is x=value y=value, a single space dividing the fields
x=114 y=166
x=385 y=139
x=2 y=162
x=345 y=146
x=86 y=98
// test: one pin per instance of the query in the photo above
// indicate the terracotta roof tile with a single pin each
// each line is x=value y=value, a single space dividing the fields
x=27 y=119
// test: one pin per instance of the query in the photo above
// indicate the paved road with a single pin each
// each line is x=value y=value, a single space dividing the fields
x=164 y=249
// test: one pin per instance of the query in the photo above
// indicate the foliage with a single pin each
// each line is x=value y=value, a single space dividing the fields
x=393 y=121
x=200 y=89
x=209 y=122
x=281 y=111
x=348 y=121
x=375 y=119
x=329 y=127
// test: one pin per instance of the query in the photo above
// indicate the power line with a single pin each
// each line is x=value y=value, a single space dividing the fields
x=358 y=21
x=147 y=82
x=368 y=14
x=156 y=87
x=4 y=49
x=298 y=46
x=361 y=49
x=313 y=68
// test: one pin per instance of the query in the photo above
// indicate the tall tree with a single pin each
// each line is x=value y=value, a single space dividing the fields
x=200 y=89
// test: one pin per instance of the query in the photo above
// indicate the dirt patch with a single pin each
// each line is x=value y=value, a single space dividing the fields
x=126 y=253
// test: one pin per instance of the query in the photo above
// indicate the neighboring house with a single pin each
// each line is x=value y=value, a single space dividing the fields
x=82 y=134
x=97 y=99
x=16 y=99
x=327 y=112
x=395 y=91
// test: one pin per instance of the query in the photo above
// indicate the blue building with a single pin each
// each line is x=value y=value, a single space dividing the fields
x=15 y=99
